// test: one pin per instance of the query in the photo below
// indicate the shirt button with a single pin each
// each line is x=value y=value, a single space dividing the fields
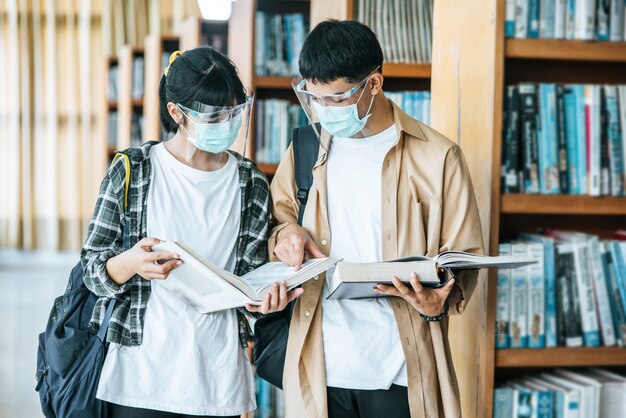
x=307 y=313
x=324 y=242
x=316 y=278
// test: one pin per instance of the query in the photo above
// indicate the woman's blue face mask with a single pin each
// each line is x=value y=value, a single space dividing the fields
x=214 y=137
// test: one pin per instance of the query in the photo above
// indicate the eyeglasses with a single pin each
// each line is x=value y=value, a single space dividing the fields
x=330 y=99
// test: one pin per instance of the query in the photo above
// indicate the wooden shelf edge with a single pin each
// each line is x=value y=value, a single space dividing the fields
x=268 y=169
x=563 y=204
x=568 y=50
x=273 y=82
x=561 y=357
x=394 y=70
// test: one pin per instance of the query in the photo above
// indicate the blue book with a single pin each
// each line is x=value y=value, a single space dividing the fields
x=581 y=133
x=615 y=140
x=533 y=19
x=570 y=19
x=571 y=139
x=548 y=144
x=503 y=295
x=544 y=404
x=603 y=28
x=518 y=323
x=502 y=403
x=547 y=20
x=613 y=285
x=620 y=268
x=426 y=107
x=417 y=105
x=509 y=23
x=407 y=103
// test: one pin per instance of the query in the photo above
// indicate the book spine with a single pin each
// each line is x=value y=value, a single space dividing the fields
x=534 y=21
x=619 y=261
x=571 y=139
x=605 y=171
x=581 y=133
x=528 y=109
x=585 y=19
x=592 y=111
x=519 y=302
x=615 y=142
x=513 y=179
x=617 y=308
x=589 y=319
x=570 y=24
x=568 y=319
x=547 y=137
x=603 y=32
x=503 y=296
x=562 y=142
x=551 y=308
x=560 y=17
x=622 y=122
x=509 y=24
x=545 y=404
x=502 y=403
x=547 y=19
x=521 y=19
x=616 y=20
x=536 y=298
x=601 y=293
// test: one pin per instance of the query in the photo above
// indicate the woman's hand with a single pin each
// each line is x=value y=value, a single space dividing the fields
x=427 y=301
x=141 y=260
x=276 y=300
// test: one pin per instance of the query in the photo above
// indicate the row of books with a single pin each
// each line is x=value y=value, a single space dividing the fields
x=270 y=400
x=112 y=129
x=279 y=39
x=587 y=393
x=138 y=79
x=564 y=139
x=136 y=129
x=574 y=295
x=404 y=27
x=414 y=103
x=275 y=122
x=112 y=80
x=600 y=20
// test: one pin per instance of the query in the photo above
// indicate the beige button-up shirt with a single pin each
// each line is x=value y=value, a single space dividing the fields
x=428 y=206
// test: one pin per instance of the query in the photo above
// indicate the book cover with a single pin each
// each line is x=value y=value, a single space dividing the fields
x=617 y=19
x=607 y=331
x=592 y=113
x=521 y=19
x=619 y=261
x=503 y=402
x=588 y=309
x=547 y=140
x=605 y=174
x=535 y=19
x=570 y=20
x=509 y=24
x=617 y=306
x=585 y=20
x=581 y=133
x=560 y=17
x=568 y=308
x=547 y=19
x=622 y=122
x=603 y=32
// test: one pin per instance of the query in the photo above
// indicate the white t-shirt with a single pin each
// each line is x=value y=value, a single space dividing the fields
x=188 y=363
x=361 y=341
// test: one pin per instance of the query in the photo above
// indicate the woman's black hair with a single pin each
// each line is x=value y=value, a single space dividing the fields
x=202 y=75
x=340 y=48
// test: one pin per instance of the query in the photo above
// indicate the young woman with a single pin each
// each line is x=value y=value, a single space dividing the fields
x=166 y=359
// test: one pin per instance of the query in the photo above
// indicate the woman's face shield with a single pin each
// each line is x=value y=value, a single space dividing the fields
x=216 y=129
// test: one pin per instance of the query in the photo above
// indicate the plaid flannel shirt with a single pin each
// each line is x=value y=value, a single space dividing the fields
x=105 y=237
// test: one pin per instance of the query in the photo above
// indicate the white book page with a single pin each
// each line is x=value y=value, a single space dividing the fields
x=266 y=275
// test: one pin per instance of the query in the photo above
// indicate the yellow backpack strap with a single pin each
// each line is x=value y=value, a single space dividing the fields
x=127 y=179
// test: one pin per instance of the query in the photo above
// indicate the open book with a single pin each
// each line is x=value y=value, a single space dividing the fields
x=357 y=280
x=208 y=288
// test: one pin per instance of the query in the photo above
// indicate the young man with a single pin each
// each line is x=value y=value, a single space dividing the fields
x=385 y=186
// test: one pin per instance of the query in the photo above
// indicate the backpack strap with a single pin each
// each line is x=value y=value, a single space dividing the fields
x=127 y=179
x=305 y=150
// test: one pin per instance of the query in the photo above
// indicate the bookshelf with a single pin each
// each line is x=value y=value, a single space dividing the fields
x=197 y=32
x=157 y=51
x=129 y=104
x=561 y=357
x=109 y=127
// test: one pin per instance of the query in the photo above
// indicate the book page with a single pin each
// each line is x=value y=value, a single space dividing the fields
x=462 y=260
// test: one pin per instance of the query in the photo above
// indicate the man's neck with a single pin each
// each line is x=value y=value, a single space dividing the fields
x=381 y=117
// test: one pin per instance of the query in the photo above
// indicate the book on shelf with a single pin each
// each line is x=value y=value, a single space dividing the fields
x=357 y=280
x=583 y=292
x=279 y=39
x=112 y=129
x=564 y=139
x=414 y=103
x=275 y=121
x=112 y=83
x=403 y=28
x=588 y=20
x=138 y=77
x=270 y=400
x=590 y=393
x=208 y=288
x=136 y=129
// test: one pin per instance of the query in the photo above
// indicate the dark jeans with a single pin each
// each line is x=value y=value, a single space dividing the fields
x=119 y=411
x=352 y=403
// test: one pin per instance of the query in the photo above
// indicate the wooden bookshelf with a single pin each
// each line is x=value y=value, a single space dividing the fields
x=279 y=83
x=197 y=32
x=561 y=357
x=268 y=169
x=156 y=46
x=566 y=50
x=563 y=204
x=407 y=70
x=110 y=105
x=127 y=105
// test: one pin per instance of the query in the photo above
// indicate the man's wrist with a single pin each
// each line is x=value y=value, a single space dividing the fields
x=439 y=317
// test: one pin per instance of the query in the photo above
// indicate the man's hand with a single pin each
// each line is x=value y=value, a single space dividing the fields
x=291 y=244
x=276 y=300
x=429 y=302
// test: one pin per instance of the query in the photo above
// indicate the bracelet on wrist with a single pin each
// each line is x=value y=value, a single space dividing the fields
x=437 y=318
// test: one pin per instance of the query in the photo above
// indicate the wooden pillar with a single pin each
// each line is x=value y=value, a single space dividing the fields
x=466 y=88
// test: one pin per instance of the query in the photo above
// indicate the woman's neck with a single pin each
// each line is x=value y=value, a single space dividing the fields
x=188 y=154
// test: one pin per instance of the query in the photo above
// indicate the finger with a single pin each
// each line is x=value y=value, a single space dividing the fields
x=161 y=255
x=274 y=299
x=446 y=289
x=252 y=308
x=293 y=294
x=387 y=290
x=415 y=283
x=171 y=265
x=154 y=276
x=405 y=291
x=265 y=305
x=282 y=293
x=149 y=242
x=298 y=256
x=314 y=249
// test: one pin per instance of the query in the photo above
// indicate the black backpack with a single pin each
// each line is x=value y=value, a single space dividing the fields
x=71 y=354
x=272 y=331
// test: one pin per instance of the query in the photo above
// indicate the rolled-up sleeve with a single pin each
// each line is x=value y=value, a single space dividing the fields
x=460 y=229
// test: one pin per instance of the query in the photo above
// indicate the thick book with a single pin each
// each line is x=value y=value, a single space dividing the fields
x=535 y=22
x=528 y=137
x=571 y=138
x=511 y=157
x=208 y=288
x=605 y=160
x=601 y=293
x=357 y=280
x=613 y=287
x=581 y=134
x=568 y=308
x=562 y=142
x=614 y=141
